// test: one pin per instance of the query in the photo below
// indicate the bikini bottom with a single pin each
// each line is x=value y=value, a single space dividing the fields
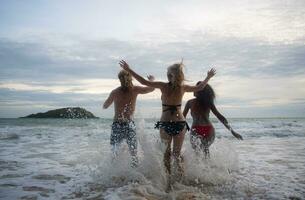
x=172 y=128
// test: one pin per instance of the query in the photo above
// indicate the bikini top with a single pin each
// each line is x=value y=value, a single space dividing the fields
x=171 y=108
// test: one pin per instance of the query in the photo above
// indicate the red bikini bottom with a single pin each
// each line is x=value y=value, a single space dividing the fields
x=203 y=130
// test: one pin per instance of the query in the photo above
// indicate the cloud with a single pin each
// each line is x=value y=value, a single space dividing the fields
x=82 y=59
x=83 y=86
x=261 y=96
x=258 y=52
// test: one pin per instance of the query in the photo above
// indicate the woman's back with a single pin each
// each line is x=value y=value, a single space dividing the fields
x=171 y=103
x=199 y=113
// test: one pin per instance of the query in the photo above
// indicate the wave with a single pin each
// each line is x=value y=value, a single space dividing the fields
x=8 y=136
x=116 y=179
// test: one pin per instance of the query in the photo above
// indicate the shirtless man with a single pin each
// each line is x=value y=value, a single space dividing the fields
x=123 y=126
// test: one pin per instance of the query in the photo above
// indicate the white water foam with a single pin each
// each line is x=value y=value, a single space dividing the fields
x=149 y=180
x=71 y=159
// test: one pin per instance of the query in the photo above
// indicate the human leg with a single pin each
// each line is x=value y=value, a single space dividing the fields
x=202 y=136
x=131 y=140
x=166 y=140
x=177 y=146
x=195 y=141
x=116 y=138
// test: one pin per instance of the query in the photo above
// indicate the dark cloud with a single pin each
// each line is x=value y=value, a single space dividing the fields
x=41 y=63
x=98 y=59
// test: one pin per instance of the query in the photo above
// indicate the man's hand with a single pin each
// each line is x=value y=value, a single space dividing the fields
x=151 y=77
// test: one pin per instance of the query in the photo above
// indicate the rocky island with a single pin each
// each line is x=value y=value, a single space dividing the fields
x=67 y=113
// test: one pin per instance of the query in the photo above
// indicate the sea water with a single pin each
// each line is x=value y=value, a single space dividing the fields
x=72 y=159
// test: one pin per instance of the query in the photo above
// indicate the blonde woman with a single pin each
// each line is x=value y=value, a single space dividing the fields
x=172 y=124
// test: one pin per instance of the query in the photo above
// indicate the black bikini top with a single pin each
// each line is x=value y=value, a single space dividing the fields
x=171 y=108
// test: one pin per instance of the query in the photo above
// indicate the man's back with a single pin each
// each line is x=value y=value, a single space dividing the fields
x=125 y=101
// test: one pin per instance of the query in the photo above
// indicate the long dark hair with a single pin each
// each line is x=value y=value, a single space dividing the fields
x=206 y=96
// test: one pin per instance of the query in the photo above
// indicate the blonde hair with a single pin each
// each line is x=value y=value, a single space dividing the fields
x=177 y=70
x=125 y=79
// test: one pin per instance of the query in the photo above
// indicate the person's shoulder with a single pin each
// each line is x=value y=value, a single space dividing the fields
x=137 y=88
x=116 y=90
x=185 y=86
x=165 y=84
x=192 y=100
x=189 y=102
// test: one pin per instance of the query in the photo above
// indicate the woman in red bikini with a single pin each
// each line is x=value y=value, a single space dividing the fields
x=202 y=131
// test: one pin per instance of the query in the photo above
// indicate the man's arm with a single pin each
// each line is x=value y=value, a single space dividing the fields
x=109 y=100
x=143 y=90
x=224 y=121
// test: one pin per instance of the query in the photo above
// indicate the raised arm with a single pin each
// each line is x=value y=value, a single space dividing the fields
x=210 y=74
x=225 y=122
x=186 y=108
x=109 y=100
x=145 y=90
x=154 y=84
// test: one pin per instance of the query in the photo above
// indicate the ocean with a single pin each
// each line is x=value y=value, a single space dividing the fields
x=72 y=159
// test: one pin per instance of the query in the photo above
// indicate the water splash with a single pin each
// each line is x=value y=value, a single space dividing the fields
x=149 y=179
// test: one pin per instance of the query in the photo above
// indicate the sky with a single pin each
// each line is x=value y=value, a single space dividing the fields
x=58 y=53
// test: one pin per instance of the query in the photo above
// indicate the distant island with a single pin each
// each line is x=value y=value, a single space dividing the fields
x=67 y=113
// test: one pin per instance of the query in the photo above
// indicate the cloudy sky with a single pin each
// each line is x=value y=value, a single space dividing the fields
x=65 y=53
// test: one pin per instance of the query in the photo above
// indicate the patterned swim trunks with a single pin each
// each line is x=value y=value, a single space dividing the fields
x=124 y=130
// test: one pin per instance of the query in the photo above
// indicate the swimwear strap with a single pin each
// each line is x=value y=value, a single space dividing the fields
x=172 y=105
x=171 y=108
x=123 y=123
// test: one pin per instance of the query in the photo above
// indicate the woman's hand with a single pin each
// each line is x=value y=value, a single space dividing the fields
x=151 y=77
x=239 y=137
x=124 y=65
x=211 y=73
